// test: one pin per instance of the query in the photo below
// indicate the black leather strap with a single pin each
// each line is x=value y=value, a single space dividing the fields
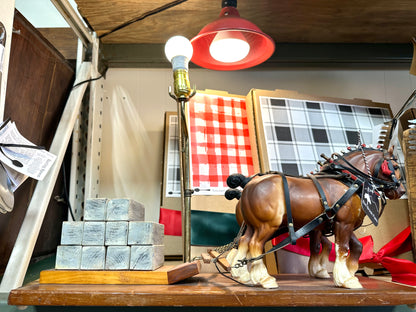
x=322 y=195
x=288 y=210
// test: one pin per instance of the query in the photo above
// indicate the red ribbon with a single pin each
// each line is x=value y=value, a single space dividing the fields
x=172 y=221
x=402 y=271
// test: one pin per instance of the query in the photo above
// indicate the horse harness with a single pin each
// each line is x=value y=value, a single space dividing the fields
x=350 y=176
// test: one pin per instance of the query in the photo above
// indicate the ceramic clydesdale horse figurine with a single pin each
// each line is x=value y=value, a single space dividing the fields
x=263 y=208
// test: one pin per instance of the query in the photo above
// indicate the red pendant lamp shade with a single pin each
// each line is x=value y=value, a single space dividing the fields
x=231 y=25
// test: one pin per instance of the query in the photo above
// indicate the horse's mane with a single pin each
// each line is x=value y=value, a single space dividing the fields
x=350 y=152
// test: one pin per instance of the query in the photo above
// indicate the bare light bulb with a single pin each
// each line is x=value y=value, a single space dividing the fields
x=179 y=50
x=229 y=47
x=179 y=46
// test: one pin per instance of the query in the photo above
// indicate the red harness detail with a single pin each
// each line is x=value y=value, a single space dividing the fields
x=351 y=175
x=385 y=168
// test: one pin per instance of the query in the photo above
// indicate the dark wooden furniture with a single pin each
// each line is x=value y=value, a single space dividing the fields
x=214 y=290
x=38 y=85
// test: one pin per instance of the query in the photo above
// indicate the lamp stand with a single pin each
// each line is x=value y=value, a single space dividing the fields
x=182 y=94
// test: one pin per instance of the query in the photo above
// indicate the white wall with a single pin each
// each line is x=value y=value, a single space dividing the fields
x=136 y=100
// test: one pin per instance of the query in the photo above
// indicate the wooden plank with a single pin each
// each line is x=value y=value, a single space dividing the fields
x=221 y=260
x=322 y=21
x=163 y=276
x=214 y=290
x=206 y=258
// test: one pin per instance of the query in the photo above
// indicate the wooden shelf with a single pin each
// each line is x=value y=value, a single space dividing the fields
x=212 y=289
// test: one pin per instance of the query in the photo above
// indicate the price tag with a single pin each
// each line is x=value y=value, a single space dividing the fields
x=370 y=202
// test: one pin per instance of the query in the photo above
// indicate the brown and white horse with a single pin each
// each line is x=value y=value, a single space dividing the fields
x=262 y=208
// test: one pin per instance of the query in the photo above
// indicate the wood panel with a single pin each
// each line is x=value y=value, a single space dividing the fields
x=63 y=39
x=214 y=290
x=38 y=84
x=285 y=21
x=406 y=136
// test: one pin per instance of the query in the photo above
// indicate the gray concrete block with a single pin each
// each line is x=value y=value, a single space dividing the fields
x=145 y=233
x=124 y=209
x=72 y=232
x=93 y=258
x=117 y=258
x=94 y=233
x=68 y=258
x=116 y=233
x=95 y=209
x=146 y=258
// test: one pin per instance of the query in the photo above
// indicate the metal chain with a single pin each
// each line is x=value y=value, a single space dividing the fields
x=234 y=243
x=365 y=160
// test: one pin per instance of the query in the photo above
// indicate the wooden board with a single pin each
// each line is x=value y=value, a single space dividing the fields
x=214 y=290
x=410 y=167
x=285 y=21
x=164 y=276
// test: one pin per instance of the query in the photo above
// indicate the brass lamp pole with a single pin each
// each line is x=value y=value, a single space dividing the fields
x=179 y=51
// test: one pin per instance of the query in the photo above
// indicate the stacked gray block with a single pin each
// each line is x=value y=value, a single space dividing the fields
x=123 y=209
x=68 y=257
x=113 y=236
x=146 y=257
x=116 y=233
x=118 y=258
x=72 y=232
x=93 y=258
x=93 y=234
x=95 y=209
x=145 y=233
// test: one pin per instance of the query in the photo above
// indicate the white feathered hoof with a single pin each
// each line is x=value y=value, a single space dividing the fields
x=231 y=255
x=269 y=283
x=322 y=274
x=245 y=278
x=352 y=283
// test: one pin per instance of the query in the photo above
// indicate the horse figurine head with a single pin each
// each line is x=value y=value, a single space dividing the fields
x=373 y=164
x=271 y=202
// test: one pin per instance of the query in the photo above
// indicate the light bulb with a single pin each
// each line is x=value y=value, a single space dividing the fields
x=178 y=46
x=179 y=52
x=229 y=47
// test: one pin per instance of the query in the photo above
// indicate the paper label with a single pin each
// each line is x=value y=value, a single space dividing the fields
x=370 y=202
x=34 y=163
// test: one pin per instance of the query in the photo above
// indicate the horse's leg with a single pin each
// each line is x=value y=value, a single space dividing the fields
x=317 y=261
x=356 y=248
x=342 y=274
x=258 y=271
x=324 y=256
x=241 y=273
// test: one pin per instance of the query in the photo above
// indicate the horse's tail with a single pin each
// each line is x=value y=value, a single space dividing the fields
x=236 y=180
x=230 y=194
